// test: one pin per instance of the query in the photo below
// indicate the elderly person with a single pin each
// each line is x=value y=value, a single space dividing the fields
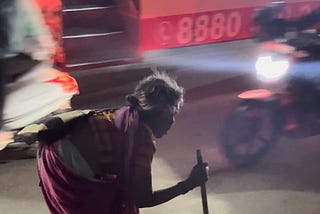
x=100 y=162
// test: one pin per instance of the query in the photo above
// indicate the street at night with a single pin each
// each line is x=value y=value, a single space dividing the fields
x=285 y=181
x=173 y=86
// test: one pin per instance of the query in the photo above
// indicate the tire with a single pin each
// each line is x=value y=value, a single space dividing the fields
x=249 y=133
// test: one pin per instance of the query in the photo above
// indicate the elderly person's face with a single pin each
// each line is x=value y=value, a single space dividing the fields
x=160 y=121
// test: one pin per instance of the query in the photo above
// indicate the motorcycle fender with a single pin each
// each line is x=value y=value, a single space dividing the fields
x=257 y=94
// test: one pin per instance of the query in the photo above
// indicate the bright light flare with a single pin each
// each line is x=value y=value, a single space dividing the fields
x=268 y=70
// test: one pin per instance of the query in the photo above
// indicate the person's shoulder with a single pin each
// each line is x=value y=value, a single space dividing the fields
x=7 y=5
x=23 y=4
x=107 y=114
x=104 y=118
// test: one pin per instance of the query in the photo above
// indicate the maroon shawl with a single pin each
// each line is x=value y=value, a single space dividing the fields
x=66 y=192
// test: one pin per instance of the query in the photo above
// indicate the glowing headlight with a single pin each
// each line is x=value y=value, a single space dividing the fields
x=269 y=70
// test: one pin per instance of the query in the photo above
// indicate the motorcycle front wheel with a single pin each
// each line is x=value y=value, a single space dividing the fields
x=249 y=132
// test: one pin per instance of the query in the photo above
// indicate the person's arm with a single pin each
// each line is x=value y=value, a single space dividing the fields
x=144 y=196
x=38 y=42
x=140 y=190
x=32 y=16
x=308 y=20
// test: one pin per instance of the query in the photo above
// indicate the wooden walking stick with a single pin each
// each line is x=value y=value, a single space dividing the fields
x=203 y=187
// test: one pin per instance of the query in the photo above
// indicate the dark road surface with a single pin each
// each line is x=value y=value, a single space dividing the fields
x=285 y=181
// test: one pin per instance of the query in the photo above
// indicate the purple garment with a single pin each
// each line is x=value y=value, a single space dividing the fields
x=66 y=192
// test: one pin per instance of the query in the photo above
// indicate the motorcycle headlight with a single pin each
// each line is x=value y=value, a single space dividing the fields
x=269 y=69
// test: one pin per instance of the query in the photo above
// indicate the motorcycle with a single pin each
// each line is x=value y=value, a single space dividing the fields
x=286 y=104
x=33 y=95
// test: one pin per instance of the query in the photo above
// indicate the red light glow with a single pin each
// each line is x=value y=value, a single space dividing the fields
x=69 y=84
x=256 y=94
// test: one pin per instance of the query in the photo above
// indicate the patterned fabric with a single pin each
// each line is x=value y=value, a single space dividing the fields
x=67 y=190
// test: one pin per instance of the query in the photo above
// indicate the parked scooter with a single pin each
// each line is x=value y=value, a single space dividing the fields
x=287 y=104
x=41 y=91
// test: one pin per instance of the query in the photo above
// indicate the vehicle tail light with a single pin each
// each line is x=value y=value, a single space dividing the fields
x=256 y=94
x=69 y=84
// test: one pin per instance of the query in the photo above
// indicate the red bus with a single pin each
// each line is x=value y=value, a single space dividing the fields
x=109 y=32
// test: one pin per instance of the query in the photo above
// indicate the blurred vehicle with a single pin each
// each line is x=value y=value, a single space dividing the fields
x=287 y=104
x=41 y=91
x=124 y=31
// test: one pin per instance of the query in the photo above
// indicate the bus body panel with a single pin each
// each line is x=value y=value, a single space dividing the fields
x=178 y=23
x=193 y=22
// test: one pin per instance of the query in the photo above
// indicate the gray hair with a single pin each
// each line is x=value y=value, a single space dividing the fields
x=155 y=92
